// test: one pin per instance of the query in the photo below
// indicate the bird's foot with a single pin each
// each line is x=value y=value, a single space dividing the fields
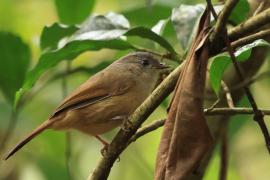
x=104 y=150
x=126 y=125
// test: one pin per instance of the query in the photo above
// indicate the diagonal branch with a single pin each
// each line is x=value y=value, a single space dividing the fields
x=251 y=25
x=222 y=18
x=249 y=39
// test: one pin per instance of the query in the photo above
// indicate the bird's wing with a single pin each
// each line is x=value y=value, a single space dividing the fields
x=100 y=87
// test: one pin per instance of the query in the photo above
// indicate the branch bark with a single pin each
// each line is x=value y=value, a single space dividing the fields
x=251 y=25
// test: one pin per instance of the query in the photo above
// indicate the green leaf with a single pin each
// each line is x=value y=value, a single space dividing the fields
x=221 y=62
x=51 y=35
x=218 y=66
x=147 y=33
x=74 y=11
x=240 y=12
x=68 y=52
x=184 y=19
x=14 y=59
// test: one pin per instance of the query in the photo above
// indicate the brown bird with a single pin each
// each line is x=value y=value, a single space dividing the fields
x=106 y=99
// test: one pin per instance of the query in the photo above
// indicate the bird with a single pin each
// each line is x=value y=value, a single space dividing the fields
x=106 y=99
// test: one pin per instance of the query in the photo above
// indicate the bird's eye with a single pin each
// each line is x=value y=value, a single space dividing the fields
x=144 y=62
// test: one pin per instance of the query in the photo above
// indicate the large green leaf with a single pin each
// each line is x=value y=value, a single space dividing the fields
x=222 y=61
x=74 y=11
x=14 y=62
x=149 y=34
x=51 y=35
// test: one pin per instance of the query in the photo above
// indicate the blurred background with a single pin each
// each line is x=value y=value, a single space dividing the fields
x=44 y=157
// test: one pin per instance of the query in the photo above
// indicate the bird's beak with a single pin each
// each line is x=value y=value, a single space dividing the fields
x=162 y=66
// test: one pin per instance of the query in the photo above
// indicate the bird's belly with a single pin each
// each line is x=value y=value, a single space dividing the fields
x=98 y=118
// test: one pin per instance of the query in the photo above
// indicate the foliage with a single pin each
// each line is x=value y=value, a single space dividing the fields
x=15 y=58
x=80 y=30
x=222 y=61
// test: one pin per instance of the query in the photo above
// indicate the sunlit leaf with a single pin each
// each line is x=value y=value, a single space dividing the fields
x=221 y=62
x=100 y=27
x=184 y=19
x=14 y=62
x=160 y=26
x=74 y=11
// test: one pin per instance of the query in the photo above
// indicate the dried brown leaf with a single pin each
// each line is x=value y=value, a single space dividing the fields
x=186 y=137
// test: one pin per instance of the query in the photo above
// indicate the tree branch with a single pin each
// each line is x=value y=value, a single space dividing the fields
x=146 y=129
x=249 y=39
x=251 y=25
x=222 y=19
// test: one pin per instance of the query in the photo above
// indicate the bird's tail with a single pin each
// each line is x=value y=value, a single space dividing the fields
x=28 y=138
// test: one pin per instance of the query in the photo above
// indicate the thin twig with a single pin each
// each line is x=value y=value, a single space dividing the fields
x=68 y=135
x=233 y=111
x=249 y=39
x=208 y=112
x=214 y=104
x=224 y=162
x=250 y=81
x=146 y=129
x=228 y=94
x=209 y=3
x=259 y=8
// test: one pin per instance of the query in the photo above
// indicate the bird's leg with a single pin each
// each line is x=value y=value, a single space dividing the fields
x=104 y=150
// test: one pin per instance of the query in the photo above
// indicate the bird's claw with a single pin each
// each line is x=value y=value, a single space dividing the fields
x=104 y=150
x=126 y=125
